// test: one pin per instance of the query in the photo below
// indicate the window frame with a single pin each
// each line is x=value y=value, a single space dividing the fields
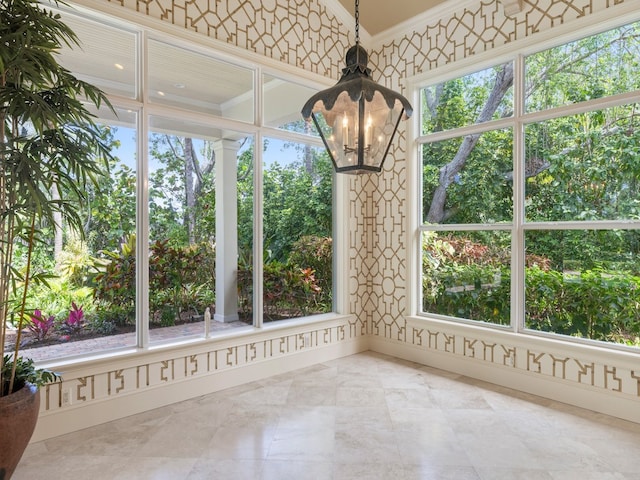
x=144 y=108
x=516 y=53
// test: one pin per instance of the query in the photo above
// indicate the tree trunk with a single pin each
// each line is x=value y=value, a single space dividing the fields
x=307 y=156
x=57 y=227
x=437 y=213
x=190 y=197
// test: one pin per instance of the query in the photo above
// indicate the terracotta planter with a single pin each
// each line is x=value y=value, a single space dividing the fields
x=18 y=417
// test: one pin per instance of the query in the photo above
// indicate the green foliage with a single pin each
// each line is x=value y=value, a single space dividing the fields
x=434 y=253
x=75 y=263
x=104 y=321
x=50 y=148
x=181 y=279
x=106 y=318
x=25 y=372
x=596 y=304
x=465 y=279
x=58 y=295
x=315 y=253
x=288 y=291
x=115 y=284
x=297 y=203
x=245 y=202
x=110 y=212
x=472 y=291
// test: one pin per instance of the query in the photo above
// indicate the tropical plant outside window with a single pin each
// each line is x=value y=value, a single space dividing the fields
x=188 y=195
x=568 y=203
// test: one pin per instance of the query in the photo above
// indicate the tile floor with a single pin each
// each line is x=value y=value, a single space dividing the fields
x=366 y=416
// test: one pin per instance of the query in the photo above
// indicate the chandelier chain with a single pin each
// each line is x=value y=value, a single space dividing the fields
x=357 y=15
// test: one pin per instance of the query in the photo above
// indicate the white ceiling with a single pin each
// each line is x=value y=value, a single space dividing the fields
x=379 y=15
x=187 y=79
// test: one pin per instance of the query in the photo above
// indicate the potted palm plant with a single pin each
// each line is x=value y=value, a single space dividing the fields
x=50 y=150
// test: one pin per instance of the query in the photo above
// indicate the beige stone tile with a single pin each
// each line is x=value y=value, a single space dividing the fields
x=308 y=418
x=362 y=416
x=439 y=472
x=400 y=398
x=235 y=442
x=362 y=445
x=572 y=474
x=295 y=444
x=73 y=467
x=208 y=469
x=367 y=416
x=431 y=446
x=497 y=450
x=369 y=471
x=513 y=474
x=284 y=470
x=360 y=396
x=156 y=468
x=312 y=395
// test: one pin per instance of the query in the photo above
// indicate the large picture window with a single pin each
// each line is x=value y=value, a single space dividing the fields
x=216 y=211
x=543 y=203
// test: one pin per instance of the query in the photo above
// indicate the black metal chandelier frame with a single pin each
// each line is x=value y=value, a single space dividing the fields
x=357 y=118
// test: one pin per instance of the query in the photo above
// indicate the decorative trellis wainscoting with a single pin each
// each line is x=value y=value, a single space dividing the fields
x=100 y=390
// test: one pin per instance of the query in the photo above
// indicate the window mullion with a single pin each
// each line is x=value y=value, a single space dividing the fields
x=258 y=243
x=142 y=209
x=517 y=236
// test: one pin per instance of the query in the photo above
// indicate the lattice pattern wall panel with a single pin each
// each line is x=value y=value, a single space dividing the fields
x=304 y=34
x=479 y=27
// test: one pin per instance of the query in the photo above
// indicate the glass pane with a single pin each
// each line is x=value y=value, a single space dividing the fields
x=192 y=192
x=283 y=101
x=467 y=179
x=89 y=305
x=475 y=98
x=467 y=275
x=584 y=283
x=245 y=176
x=298 y=247
x=584 y=167
x=186 y=79
x=106 y=57
x=593 y=67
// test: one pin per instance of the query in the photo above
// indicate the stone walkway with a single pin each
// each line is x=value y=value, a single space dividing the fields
x=112 y=342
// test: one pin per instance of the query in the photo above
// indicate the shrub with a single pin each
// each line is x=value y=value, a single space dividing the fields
x=597 y=304
x=75 y=322
x=316 y=253
x=181 y=278
x=115 y=284
x=288 y=291
x=41 y=325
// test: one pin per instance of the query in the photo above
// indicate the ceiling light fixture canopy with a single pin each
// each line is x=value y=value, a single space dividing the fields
x=357 y=118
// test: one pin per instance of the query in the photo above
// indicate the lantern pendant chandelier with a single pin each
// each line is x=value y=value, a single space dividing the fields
x=357 y=118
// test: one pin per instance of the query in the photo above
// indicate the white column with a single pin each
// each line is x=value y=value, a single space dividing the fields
x=226 y=231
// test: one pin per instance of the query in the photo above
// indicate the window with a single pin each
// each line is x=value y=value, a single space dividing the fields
x=207 y=219
x=543 y=203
